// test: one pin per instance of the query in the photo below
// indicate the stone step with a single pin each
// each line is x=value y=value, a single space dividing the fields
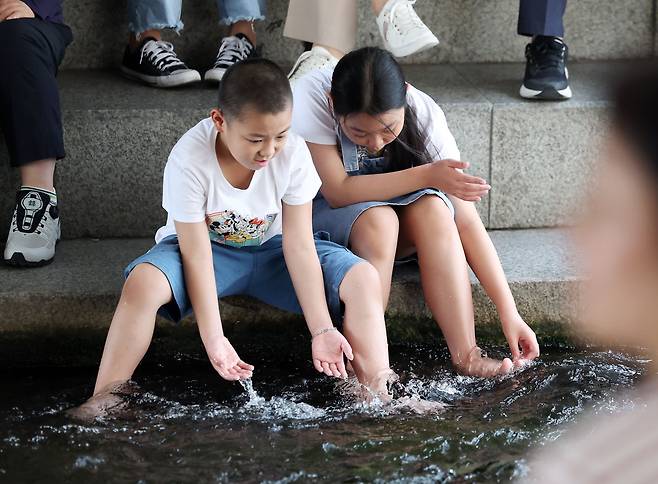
x=47 y=311
x=469 y=31
x=118 y=135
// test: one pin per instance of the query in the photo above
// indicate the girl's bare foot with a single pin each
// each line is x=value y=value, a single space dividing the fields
x=478 y=364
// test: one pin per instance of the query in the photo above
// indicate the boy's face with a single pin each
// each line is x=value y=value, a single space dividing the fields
x=253 y=138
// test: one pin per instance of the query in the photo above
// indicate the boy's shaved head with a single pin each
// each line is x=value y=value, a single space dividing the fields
x=257 y=84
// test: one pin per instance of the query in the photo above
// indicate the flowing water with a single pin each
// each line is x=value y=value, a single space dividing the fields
x=183 y=424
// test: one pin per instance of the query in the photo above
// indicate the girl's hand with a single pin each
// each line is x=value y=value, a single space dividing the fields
x=521 y=339
x=328 y=350
x=226 y=361
x=445 y=175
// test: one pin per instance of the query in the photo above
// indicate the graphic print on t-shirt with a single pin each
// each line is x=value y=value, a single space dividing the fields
x=230 y=228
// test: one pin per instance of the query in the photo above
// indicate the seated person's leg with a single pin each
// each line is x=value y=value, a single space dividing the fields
x=31 y=122
x=329 y=26
x=240 y=44
x=546 y=75
x=147 y=58
x=348 y=281
x=402 y=30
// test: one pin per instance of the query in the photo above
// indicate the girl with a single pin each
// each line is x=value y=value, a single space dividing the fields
x=233 y=184
x=392 y=187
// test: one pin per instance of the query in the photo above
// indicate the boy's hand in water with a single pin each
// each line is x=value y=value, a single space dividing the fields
x=226 y=361
x=328 y=350
x=447 y=177
x=521 y=339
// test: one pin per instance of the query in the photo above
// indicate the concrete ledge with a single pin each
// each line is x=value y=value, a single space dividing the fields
x=59 y=314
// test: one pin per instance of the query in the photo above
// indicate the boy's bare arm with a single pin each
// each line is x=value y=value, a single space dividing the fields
x=196 y=253
x=306 y=274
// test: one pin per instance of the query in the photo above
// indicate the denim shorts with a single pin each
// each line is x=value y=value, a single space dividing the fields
x=259 y=272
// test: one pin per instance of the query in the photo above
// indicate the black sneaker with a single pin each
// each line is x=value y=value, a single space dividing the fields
x=155 y=62
x=546 y=74
x=232 y=50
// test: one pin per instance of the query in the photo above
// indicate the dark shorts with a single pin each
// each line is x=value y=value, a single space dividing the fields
x=31 y=50
x=259 y=272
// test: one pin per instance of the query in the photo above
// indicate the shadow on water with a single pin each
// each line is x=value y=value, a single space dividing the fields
x=184 y=424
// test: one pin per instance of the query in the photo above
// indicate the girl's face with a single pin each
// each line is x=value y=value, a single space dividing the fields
x=253 y=138
x=619 y=244
x=373 y=132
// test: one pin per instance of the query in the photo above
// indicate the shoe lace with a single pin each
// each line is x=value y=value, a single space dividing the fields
x=161 y=54
x=547 y=55
x=407 y=19
x=232 y=48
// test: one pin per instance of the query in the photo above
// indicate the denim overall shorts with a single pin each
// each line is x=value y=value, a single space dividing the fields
x=338 y=222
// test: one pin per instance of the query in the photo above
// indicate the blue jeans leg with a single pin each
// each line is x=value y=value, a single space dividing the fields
x=541 y=17
x=231 y=11
x=154 y=14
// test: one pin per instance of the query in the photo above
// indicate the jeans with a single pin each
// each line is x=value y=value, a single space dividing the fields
x=166 y=14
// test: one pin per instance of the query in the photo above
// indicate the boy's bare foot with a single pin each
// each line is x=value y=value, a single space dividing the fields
x=107 y=402
x=478 y=364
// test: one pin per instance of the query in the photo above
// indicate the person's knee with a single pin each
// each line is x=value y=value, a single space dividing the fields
x=361 y=285
x=16 y=36
x=146 y=285
x=376 y=232
x=431 y=212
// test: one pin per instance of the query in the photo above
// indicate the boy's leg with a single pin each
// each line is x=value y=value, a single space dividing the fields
x=30 y=119
x=349 y=280
x=240 y=44
x=427 y=227
x=364 y=326
x=144 y=292
x=146 y=58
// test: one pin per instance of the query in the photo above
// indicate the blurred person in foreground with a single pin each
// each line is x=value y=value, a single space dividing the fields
x=619 y=301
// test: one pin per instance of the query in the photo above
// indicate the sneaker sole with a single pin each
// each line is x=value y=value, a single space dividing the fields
x=547 y=94
x=174 y=80
x=18 y=260
x=414 y=47
x=215 y=77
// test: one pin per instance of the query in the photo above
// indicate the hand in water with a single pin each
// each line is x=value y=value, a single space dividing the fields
x=447 y=177
x=521 y=339
x=328 y=349
x=226 y=361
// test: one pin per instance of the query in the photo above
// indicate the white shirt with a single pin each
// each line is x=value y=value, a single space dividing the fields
x=313 y=117
x=195 y=190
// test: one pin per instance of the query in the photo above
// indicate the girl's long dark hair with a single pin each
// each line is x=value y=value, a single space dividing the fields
x=369 y=80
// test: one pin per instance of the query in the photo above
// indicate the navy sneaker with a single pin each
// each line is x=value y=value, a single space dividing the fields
x=546 y=74
x=155 y=63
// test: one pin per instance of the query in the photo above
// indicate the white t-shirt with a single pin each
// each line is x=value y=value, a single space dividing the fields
x=195 y=190
x=314 y=121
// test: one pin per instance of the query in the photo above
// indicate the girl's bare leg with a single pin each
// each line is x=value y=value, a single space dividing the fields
x=427 y=228
x=374 y=238
x=365 y=328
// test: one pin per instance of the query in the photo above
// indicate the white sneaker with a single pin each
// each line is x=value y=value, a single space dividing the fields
x=34 y=229
x=403 y=31
x=316 y=58
x=232 y=50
